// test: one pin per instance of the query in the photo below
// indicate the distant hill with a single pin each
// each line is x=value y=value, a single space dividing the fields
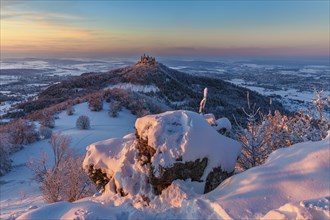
x=165 y=86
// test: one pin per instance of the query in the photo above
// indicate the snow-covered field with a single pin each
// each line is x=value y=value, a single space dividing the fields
x=63 y=66
x=135 y=87
x=293 y=184
x=18 y=193
x=285 y=93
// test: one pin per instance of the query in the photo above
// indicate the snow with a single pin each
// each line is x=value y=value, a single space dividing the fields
x=293 y=174
x=223 y=123
x=172 y=135
x=103 y=153
x=6 y=79
x=286 y=94
x=307 y=209
x=18 y=192
x=63 y=66
x=4 y=107
x=186 y=134
x=178 y=67
x=292 y=184
x=135 y=87
x=210 y=118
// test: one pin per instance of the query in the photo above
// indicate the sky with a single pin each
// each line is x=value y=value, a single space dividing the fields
x=104 y=28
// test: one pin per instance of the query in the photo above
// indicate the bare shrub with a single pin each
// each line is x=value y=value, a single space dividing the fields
x=65 y=180
x=48 y=121
x=95 y=103
x=83 y=122
x=5 y=162
x=45 y=132
x=265 y=134
x=22 y=132
x=70 y=110
x=114 y=108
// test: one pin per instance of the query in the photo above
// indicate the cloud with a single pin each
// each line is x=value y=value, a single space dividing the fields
x=49 y=17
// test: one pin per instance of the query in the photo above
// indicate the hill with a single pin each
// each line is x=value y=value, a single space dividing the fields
x=167 y=88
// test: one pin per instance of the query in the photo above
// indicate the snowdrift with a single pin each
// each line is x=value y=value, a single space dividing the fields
x=290 y=175
x=292 y=184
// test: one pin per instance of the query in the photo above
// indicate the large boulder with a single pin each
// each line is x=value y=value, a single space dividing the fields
x=186 y=146
x=166 y=147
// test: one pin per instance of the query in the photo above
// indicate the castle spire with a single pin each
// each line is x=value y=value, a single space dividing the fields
x=146 y=59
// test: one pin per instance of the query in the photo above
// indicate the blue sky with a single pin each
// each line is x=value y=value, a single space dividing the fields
x=224 y=28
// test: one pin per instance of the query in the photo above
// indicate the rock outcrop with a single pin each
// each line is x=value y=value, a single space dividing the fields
x=166 y=147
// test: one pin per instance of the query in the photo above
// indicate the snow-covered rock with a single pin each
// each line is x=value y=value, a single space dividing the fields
x=223 y=123
x=292 y=184
x=186 y=146
x=168 y=146
x=186 y=135
x=210 y=118
x=118 y=158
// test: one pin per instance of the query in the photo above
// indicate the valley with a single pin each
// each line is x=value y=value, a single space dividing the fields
x=292 y=83
x=152 y=88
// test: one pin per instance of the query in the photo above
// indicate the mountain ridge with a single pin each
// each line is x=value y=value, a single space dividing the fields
x=175 y=89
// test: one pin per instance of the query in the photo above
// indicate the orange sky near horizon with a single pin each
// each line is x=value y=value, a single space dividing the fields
x=33 y=31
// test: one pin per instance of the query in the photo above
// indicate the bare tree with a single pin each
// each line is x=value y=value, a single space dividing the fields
x=65 y=180
x=39 y=166
x=60 y=146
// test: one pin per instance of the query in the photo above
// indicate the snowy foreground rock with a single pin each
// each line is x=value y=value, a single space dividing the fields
x=166 y=147
x=292 y=184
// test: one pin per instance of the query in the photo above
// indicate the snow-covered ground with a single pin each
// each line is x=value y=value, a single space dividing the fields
x=285 y=93
x=134 y=87
x=292 y=99
x=19 y=193
x=62 y=66
x=292 y=184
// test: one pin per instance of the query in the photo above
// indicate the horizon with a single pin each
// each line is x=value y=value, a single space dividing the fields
x=184 y=29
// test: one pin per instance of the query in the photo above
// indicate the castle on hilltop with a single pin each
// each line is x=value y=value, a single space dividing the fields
x=146 y=59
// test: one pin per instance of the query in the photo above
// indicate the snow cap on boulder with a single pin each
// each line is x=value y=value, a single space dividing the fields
x=186 y=136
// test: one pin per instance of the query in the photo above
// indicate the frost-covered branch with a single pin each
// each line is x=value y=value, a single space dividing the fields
x=203 y=102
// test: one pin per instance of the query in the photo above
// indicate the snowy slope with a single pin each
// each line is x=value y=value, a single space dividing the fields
x=293 y=174
x=294 y=183
x=318 y=209
x=18 y=192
